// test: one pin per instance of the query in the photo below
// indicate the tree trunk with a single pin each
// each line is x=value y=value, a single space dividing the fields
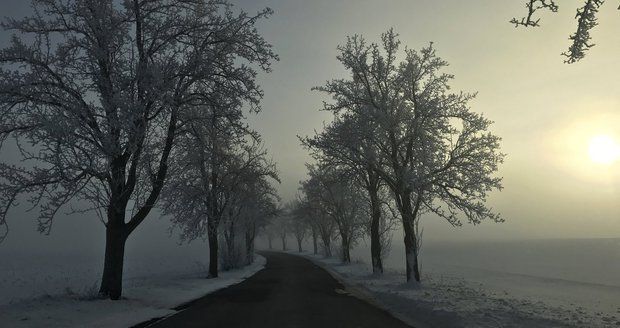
x=249 y=246
x=270 y=239
x=375 y=235
x=327 y=247
x=213 y=251
x=411 y=253
x=112 y=279
x=230 y=239
x=314 y=242
x=408 y=215
x=283 y=243
x=346 y=254
x=299 y=242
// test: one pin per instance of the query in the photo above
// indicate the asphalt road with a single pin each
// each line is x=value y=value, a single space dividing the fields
x=290 y=292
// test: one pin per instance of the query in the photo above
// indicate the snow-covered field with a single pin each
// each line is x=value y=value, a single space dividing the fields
x=153 y=287
x=533 y=283
x=489 y=285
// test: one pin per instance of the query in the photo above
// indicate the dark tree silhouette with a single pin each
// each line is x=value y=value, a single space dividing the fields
x=93 y=92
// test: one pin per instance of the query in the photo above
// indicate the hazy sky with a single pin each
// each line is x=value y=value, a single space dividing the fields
x=545 y=111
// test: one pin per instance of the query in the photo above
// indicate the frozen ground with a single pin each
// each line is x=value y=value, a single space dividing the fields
x=458 y=296
x=144 y=297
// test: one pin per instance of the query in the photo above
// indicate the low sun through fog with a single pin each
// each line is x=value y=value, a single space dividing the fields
x=603 y=149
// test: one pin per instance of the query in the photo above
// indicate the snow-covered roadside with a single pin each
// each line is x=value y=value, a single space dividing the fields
x=451 y=301
x=151 y=299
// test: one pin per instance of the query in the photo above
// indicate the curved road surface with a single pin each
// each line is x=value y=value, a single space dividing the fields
x=290 y=292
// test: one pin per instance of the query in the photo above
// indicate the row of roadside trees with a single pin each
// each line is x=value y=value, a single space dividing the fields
x=119 y=107
x=401 y=145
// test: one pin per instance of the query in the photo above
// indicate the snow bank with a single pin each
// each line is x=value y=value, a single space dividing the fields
x=449 y=300
x=142 y=300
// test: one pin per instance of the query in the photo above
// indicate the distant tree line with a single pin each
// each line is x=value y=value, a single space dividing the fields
x=401 y=145
x=131 y=105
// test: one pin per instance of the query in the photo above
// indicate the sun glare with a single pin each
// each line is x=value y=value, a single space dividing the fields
x=603 y=149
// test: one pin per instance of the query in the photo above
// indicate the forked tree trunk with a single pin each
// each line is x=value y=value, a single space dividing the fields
x=299 y=242
x=123 y=181
x=112 y=279
x=411 y=252
x=213 y=251
x=375 y=234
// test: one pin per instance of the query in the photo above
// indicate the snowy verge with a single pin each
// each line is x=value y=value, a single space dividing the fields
x=152 y=299
x=451 y=301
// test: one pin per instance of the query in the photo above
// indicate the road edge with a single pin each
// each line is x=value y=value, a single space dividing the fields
x=183 y=306
x=361 y=292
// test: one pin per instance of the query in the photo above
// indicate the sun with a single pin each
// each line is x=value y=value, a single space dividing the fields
x=603 y=149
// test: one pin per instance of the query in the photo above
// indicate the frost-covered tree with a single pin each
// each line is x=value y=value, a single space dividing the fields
x=260 y=208
x=253 y=202
x=586 y=17
x=218 y=159
x=269 y=232
x=93 y=91
x=338 y=199
x=438 y=154
x=303 y=211
x=320 y=222
x=282 y=226
x=346 y=142
x=343 y=201
x=388 y=222
x=299 y=223
x=230 y=250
